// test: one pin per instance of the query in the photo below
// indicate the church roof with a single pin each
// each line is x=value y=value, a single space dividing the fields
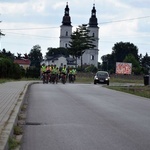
x=66 y=18
x=93 y=19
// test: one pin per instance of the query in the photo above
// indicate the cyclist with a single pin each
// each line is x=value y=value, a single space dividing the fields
x=63 y=74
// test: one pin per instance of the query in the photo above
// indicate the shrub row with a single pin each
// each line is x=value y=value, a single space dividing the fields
x=8 y=69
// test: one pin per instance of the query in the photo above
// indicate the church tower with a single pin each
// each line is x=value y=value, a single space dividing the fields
x=65 y=28
x=91 y=56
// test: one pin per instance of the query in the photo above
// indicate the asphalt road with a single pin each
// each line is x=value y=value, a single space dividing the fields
x=85 y=117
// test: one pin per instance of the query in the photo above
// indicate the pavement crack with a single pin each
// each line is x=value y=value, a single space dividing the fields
x=33 y=123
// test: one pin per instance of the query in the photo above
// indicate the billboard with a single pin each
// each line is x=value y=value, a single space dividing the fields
x=123 y=68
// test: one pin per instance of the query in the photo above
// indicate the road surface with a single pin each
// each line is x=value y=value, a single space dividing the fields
x=85 y=117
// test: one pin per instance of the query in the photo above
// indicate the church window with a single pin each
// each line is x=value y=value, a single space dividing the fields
x=67 y=12
x=92 y=57
x=66 y=33
x=93 y=35
x=66 y=45
x=93 y=14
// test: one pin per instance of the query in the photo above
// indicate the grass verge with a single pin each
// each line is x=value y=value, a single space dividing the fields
x=13 y=143
x=5 y=80
x=84 y=80
x=143 y=91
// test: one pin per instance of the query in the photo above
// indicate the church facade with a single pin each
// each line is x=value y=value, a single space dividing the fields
x=90 y=56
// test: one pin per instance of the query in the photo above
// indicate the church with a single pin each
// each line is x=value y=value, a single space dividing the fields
x=90 y=56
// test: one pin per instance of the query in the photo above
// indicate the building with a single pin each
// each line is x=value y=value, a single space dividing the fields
x=59 y=61
x=25 y=63
x=91 y=55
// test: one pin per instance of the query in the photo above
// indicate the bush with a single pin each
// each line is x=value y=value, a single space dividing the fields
x=33 y=72
x=8 y=69
x=16 y=71
x=87 y=68
x=91 y=68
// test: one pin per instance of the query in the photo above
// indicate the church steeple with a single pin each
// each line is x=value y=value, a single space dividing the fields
x=93 y=19
x=66 y=18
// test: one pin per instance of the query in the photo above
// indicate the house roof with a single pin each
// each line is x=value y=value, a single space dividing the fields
x=70 y=61
x=22 y=61
x=55 y=57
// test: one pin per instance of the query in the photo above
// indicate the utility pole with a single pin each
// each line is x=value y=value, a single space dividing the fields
x=1 y=34
x=149 y=74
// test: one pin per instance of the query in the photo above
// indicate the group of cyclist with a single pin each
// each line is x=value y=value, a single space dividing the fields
x=53 y=74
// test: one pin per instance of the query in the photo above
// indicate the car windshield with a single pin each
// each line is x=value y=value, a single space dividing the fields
x=104 y=74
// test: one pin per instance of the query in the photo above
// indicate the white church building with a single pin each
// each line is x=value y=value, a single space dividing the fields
x=90 y=56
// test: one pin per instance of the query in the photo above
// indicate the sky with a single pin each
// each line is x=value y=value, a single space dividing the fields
x=27 y=23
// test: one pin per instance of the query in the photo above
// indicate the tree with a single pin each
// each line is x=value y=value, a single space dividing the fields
x=25 y=56
x=8 y=69
x=18 y=56
x=7 y=54
x=35 y=56
x=108 y=63
x=57 y=51
x=80 y=42
x=135 y=64
x=119 y=52
x=146 y=63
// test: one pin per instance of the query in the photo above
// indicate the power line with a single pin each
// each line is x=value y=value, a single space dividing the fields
x=131 y=19
x=107 y=22
x=42 y=28
x=22 y=34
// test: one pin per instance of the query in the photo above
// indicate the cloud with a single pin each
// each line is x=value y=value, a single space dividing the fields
x=58 y=5
x=24 y=8
x=48 y=13
x=138 y=3
x=39 y=6
x=13 y=1
x=13 y=8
